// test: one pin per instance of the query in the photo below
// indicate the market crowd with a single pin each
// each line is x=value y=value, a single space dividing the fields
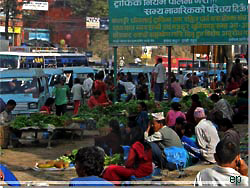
x=152 y=136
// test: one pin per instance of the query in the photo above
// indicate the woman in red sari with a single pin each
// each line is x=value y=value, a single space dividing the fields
x=102 y=87
x=138 y=164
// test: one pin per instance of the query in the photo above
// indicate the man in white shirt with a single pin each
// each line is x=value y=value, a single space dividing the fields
x=88 y=85
x=207 y=135
x=77 y=92
x=160 y=78
x=230 y=171
x=129 y=87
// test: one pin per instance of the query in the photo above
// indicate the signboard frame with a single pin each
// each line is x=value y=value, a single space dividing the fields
x=182 y=22
x=36 y=5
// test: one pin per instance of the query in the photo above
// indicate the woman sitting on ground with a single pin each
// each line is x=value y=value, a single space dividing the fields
x=142 y=117
x=47 y=108
x=138 y=164
x=174 y=113
x=112 y=142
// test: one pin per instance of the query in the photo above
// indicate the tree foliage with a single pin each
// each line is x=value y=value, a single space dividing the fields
x=94 y=8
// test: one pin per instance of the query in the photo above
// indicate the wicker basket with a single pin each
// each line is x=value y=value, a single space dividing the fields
x=4 y=136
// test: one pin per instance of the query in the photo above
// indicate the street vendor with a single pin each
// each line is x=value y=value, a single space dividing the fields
x=162 y=138
x=93 y=100
x=47 y=108
x=138 y=164
x=5 y=116
x=112 y=142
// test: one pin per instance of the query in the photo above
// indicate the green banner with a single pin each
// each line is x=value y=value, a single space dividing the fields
x=178 y=22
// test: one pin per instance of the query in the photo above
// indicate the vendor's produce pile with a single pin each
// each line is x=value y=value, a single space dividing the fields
x=39 y=120
x=52 y=164
x=119 y=111
x=116 y=159
x=67 y=159
x=61 y=162
x=206 y=103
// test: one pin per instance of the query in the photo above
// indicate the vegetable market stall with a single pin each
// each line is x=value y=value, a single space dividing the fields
x=47 y=124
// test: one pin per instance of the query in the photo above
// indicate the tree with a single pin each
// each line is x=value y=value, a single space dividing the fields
x=11 y=10
x=93 y=8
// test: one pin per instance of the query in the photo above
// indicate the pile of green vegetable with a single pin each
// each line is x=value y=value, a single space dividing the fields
x=119 y=111
x=69 y=158
x=116 y=159
x=39 y=120
x=186 y=102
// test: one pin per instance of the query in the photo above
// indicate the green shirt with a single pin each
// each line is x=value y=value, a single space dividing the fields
x=61 y=94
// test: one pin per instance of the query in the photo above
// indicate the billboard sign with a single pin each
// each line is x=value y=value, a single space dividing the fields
x=36 y=5
x=178 y=22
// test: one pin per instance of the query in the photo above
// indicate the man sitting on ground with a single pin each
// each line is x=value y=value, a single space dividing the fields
x=207 y=135
x=223 y=106
x=89 y=166
x=231 y=169
x=163 y=137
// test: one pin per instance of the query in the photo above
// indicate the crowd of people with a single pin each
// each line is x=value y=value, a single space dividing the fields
x=198 y=135
x=148 y=134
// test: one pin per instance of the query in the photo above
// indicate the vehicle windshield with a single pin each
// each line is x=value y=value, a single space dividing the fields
x=18 y=85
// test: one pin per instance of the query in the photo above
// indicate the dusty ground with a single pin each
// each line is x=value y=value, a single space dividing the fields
x=22 y=160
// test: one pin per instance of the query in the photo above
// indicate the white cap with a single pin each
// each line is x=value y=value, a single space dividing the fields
x=158 y=116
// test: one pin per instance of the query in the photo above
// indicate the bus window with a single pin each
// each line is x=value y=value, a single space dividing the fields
x=71 y=61
x=7 y=61
x=49 y=61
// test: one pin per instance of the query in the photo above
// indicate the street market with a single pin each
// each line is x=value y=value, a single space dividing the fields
x=124 y=93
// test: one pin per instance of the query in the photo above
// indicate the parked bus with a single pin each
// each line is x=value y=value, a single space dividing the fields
x=186 y=64
x=19 y=60
x=175 y=62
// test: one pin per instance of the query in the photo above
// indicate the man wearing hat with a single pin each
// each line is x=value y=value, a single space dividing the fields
x=163 y=137
x=61 y=93
x=207 y=135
